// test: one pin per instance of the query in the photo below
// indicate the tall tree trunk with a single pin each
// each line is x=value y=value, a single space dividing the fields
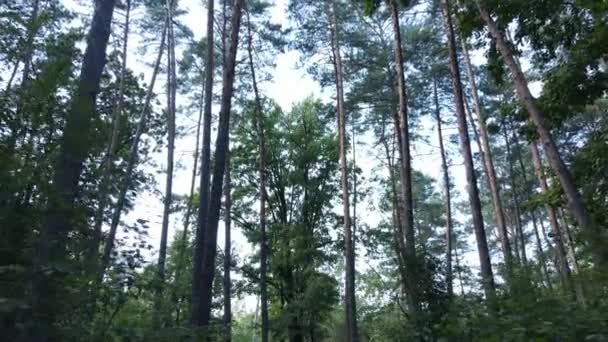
x=259 y=121
x=131 y=163
x=480 y=233
x=349 y=297
x=446 y=194
x=575 y=201
x=406 y=166
x=171 y=94
x=73 y=150
x=104 y=187
x=197 y=267
x=227 y=319
x=488 y=161
x=516 y=200
x=188 y=215
x=560 y=250
x=209 y=224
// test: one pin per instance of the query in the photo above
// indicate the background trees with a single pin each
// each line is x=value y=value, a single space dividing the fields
x=350 y=197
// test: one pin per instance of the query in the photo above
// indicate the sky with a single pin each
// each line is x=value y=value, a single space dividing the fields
x=288 y=86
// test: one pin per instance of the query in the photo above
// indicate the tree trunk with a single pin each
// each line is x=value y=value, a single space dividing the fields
x=188 y=215
x=524 y=173
x=131 y=163
x=209 y=224
x=171 y=93
x=73 y=150
x=480 y=233
x=259 y=121
x=575 y=201
x=349 y=297
x=406 y=167
x=197 y=268
x=488 y=161
x=227 y=319
x=516 y=200
x=104 y=187
x=446 y=194
x=560 y=250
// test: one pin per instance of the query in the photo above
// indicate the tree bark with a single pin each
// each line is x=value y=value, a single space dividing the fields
x=574 y=199
x=171 y=94
x=197 y=273
x=227 y=319
x=349 y=255
x=104 y=187
x=406 y=167
x=488 y=161
x=131 y=163
x=259 y=121
x=480 y=233
x=73 y=149
x=446 y=194
x=209 y=224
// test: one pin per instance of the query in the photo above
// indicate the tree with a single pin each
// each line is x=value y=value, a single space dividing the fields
x=575 y=202
x=480 y=234
x=209 y=224
x=197 y=299
x=403 y=140
x=446 y=194
x=262 y=179
x=349 y=253
x=73 y=150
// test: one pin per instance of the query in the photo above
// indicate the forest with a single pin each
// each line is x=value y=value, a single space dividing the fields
x=303 y=170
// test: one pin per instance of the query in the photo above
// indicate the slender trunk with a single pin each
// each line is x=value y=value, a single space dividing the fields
x=354 y=171
x=519 y=233
x=73 y=150
x=574 y=199
x=398 y=236
x=259 y=121
x=480 y=233
x=349 y=299
x=560 y=250
x=459 y=271
x=197 y=268
x=446 y=194
x=171 y=93
x=406 y=166
x=227 y=253
x=131 y=163
x=488 y=161
x=567 y=235
x=104 y=187
x=539 y=245
x=188 y=215
x=209 y=224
